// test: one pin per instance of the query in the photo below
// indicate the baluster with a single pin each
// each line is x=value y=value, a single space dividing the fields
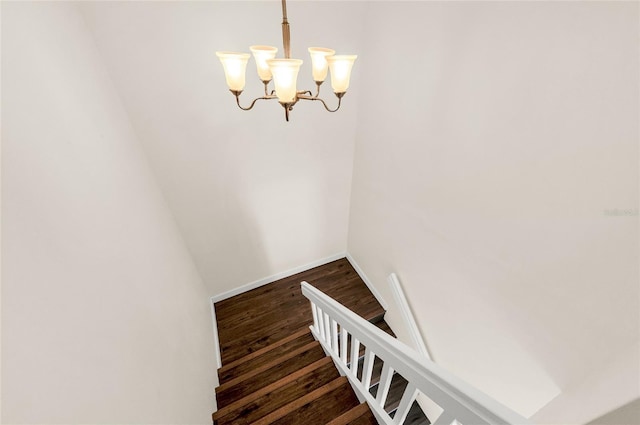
x=321 y=323
x=355 y=348
x=368 y=368
x=327 y=330
x=409 y=396
x=343 y=344
x=385 y=382
x=315 y=317
x=334 y=336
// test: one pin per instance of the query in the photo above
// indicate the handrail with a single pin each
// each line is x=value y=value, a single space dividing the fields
x=335 y=325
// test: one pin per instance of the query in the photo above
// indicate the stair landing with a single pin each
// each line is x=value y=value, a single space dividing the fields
x=258 y=318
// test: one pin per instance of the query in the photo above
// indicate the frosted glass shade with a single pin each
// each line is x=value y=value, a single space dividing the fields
x=285 y=75
x=340 y=66
x=235 y=67
x=262 y=54
x=319 y=64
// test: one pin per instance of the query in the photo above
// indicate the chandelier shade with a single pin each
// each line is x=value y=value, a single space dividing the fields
x=284 y=71
x=262 y=54
x=235 y=67
x=285 y=77
x=319 y=64
x=341 y=71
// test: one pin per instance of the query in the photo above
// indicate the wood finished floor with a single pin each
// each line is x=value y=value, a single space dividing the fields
x=255 y=319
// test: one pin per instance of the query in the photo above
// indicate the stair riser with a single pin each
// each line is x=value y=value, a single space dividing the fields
x=323 y=409
x=281 y=396
x=360 y=414
x=227 y=375
x=228 y=395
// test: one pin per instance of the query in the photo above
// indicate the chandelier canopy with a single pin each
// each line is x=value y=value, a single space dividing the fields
x=284 y=71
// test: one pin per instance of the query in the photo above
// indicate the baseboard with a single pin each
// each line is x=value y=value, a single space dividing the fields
x=367 y=282
x=216 y=341
x=270 y=279
x=256 y=284
x=407 y=315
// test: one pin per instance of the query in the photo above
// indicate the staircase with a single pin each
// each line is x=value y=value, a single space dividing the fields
x=275 y=372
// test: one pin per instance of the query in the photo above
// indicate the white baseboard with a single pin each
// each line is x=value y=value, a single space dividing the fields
x=367 y=282
x=270 y=279
x=216 y=341
x=256 y=284
x=407 y=315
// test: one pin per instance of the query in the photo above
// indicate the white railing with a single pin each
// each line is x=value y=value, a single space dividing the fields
x=341 y=333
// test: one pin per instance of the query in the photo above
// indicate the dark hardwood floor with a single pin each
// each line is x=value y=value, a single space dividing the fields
x=273 y=371
x=256 y=319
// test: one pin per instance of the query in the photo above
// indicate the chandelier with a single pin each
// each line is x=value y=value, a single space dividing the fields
x=284 y=72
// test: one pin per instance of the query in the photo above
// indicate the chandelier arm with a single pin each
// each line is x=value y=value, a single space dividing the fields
x=266 y=88
x=323 y=102
x=237 y=95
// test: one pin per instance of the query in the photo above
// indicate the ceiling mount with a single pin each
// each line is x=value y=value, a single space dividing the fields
x=284 y=72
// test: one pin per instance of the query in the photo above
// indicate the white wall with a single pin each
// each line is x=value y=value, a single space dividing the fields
x=252 y=194
x=482 y=180
x=627 y=414
x=495 y=142
x=104 y=316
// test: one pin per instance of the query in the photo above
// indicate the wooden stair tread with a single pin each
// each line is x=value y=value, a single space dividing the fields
x=264 y=355
x=359 y=415
x=278 y=394
x=266 y=374
x=245 y=341
x=267 y=366
x=317 y=407
x=253 y=354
